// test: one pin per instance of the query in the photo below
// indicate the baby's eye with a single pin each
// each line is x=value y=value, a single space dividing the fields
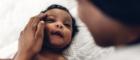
x=68 y=25
x=48 y=20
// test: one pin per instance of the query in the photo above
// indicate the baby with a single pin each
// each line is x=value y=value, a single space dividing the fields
x=47 y=35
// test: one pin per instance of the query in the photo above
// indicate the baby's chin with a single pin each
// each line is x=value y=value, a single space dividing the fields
x=57 y=42
x=53 y=44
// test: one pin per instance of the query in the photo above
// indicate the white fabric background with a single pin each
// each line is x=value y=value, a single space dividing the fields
x=14 y=15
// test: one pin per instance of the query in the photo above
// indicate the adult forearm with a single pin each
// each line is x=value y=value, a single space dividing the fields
x=23 y=56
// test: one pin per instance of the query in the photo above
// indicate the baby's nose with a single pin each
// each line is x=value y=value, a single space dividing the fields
x=59 y=25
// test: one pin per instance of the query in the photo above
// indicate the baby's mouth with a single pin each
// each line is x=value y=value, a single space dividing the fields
x=57 y=33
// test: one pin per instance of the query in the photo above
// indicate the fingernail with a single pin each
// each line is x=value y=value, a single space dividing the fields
x=42 y=22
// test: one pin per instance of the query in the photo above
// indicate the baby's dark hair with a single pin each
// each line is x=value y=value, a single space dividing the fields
x=74 y=25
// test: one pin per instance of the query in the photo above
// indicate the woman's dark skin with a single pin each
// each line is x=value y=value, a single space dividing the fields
x=31 y=39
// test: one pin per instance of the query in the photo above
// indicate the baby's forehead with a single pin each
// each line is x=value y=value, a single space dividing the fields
x=59 y=13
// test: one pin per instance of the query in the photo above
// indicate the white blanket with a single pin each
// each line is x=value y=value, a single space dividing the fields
x=14 y=15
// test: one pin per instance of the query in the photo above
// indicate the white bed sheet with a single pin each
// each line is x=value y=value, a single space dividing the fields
x=14 y=15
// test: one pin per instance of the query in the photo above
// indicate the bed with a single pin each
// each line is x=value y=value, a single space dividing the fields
x=14 y=15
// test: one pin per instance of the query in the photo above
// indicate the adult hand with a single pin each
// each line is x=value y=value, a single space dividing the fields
x=31 y=38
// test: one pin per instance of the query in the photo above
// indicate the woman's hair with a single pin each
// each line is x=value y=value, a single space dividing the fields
x=124 y=11
x=74 y=25
x=46 y=43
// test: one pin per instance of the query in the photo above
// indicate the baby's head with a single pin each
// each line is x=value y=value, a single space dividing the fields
x=60 y=28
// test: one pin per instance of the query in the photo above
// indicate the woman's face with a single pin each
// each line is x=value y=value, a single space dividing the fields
x=58 y=27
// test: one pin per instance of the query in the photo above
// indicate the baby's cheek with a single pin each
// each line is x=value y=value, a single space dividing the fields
x=68 y=36
x=49 y=27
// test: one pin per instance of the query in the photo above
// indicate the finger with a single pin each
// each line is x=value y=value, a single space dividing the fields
x=39 y=35
x=29 y=23
x=40 y=30
x=37 y=19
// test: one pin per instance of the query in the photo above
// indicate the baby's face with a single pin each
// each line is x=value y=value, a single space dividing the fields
x=58 y=27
